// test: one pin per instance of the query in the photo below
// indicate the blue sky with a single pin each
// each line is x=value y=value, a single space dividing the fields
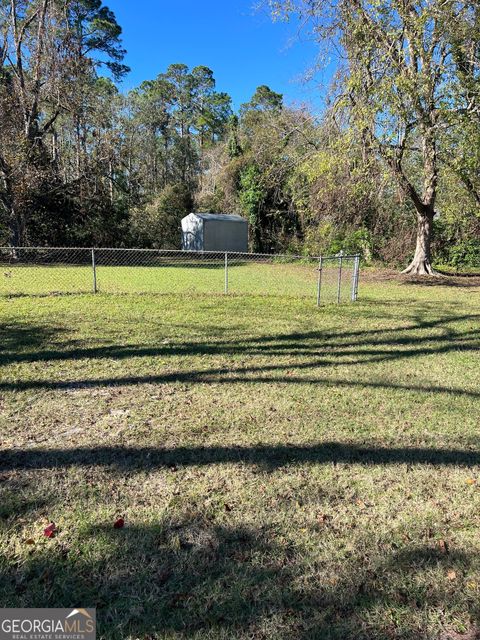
x=243 y=47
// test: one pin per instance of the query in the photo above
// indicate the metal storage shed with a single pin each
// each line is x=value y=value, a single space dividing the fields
x=214 y=232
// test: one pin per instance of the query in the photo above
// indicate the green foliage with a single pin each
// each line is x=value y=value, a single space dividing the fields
x=157 y=224
x=233 y=144
x=359 y=242
x=100 y=167
x=174 y=120
x=454 y=247
x=251 y=193
x=327 y=239
x=252 y=196
x=94 y=28
x=466 y=253
x=264 y=99
x=408 y=90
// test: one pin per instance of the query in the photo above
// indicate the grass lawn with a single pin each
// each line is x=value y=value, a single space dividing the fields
x=291 y=279
x=283 y=471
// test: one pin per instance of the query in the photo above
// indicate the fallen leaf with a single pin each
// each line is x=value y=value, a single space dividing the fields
x=451 y=575
x=360 y=504
x=29 y=541
x=119 y=523
x=323 y=517
x=470 y=481
x=443 y=546
x=50 y=531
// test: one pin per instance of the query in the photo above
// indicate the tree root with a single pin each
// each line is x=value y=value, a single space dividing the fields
x=421 y=268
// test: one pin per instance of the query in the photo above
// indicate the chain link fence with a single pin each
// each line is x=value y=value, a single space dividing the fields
x=47 y=270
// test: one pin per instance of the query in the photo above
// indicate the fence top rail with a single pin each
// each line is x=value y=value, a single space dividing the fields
x=186 y=253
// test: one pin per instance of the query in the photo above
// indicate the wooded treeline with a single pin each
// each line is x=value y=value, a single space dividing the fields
x=394 y=158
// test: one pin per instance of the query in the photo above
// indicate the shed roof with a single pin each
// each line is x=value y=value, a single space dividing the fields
x=226 y=217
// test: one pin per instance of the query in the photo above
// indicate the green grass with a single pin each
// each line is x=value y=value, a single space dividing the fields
x=448 y=269
x=288 y=279
x=284 y=471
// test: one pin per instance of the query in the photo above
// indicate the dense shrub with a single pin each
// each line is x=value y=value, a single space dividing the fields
x=157 y=224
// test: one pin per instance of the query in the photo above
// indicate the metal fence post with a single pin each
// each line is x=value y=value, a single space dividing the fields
x=356 y=273
x=94 y=267
x=226 y=272
x=319 y=280
x=339 y=286
x=354 y=278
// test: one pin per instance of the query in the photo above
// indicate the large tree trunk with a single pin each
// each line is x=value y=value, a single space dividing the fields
x=17 y=229
x=421 y=264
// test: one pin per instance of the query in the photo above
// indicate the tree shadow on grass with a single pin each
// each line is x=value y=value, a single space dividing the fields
x=47 y=294
x=17 y=336
x=266 y=457
x=15 y=504
x=463 y=281
x=308 y=354
x=225 y=376
x=197 y=579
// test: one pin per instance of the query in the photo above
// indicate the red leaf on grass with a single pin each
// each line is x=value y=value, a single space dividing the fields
x=50 y=531
x=119 y=523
